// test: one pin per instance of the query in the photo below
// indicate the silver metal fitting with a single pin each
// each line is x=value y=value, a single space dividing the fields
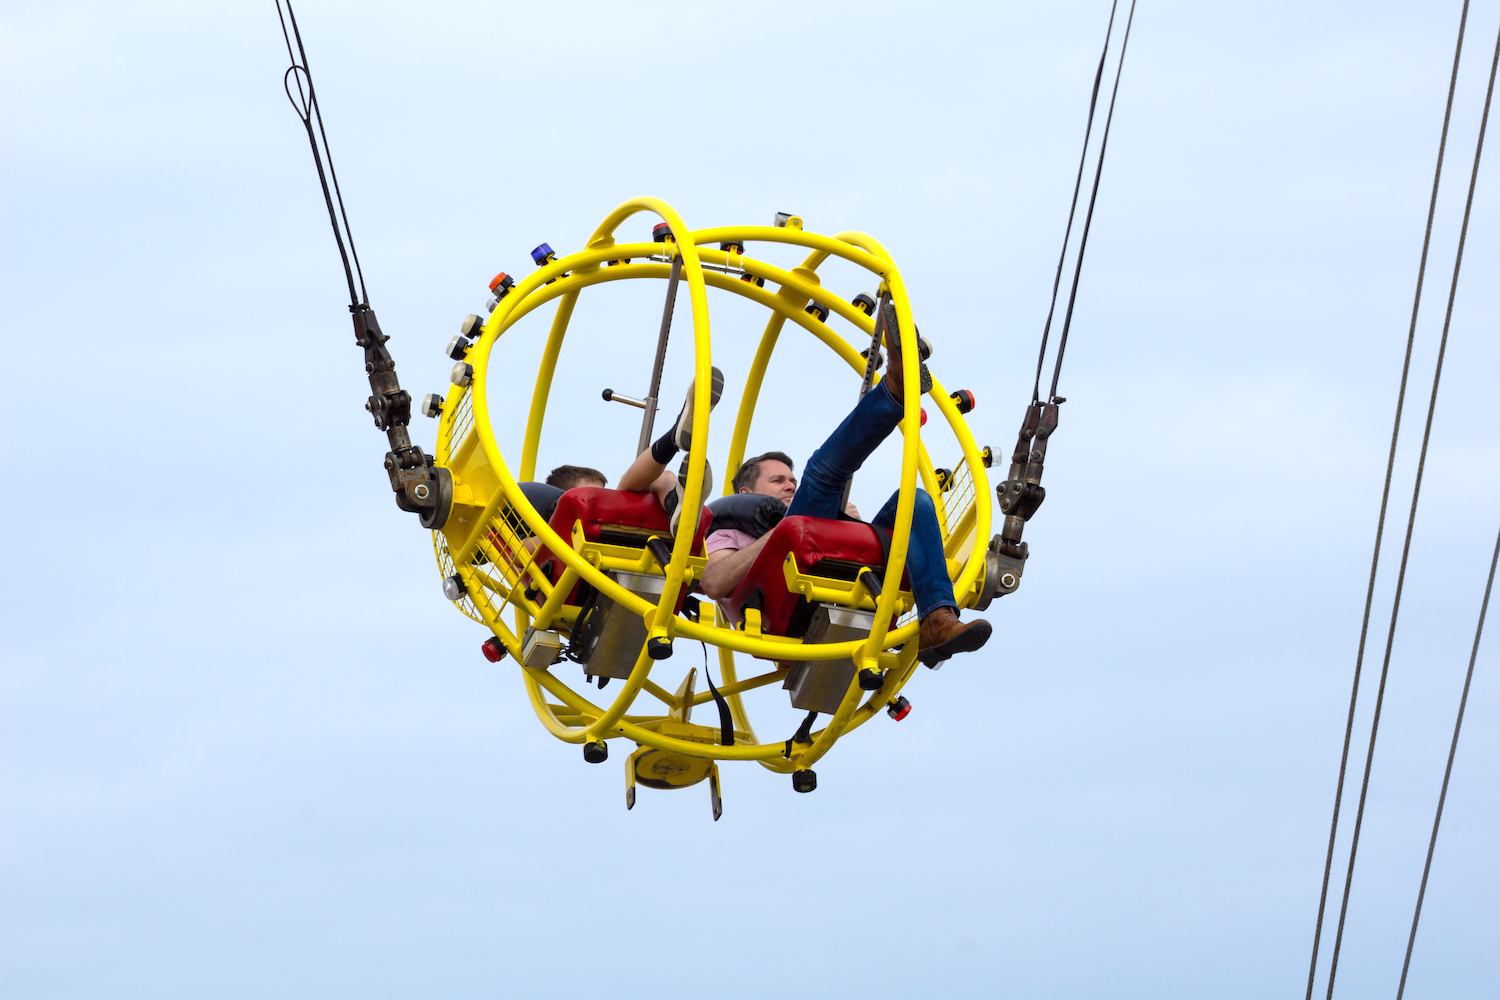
x=453 y=588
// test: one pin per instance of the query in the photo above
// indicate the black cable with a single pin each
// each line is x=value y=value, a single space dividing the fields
x=1390 y=464
x=307 y=109
x=1083 y=154
x=1083 y=241
x=1463 y=702
x=1411 y=519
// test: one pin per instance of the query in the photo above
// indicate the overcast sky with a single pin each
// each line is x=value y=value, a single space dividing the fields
x=248 y=750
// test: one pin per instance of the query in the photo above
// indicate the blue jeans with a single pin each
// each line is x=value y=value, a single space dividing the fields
x=822 y=488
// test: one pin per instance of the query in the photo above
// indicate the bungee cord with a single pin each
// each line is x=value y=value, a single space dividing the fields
x=1437 y=818
x=1088 y=219
x=1385 y=495
x=306 y=105
x=1411 y=522
x=1083 y=155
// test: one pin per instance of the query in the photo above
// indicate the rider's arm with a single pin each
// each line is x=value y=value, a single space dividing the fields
x=727 y=567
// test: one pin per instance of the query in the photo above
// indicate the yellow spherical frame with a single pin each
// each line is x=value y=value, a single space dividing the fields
x=485 y=490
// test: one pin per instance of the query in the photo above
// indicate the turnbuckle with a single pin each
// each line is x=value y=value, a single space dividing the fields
x=420 y=487
x=1022 y=492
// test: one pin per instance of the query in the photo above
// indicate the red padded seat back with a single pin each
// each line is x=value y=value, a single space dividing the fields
x=600 y=510
x=823 y=548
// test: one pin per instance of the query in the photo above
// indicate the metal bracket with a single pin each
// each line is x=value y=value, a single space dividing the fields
x=420 y=487
x=1022 y=492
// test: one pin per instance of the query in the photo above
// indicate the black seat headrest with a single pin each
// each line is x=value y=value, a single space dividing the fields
x=541 y=496
x=751 y=513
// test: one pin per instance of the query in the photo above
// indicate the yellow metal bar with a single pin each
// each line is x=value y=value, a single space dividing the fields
x=906 y=498
x=660 y=693
x=748 y=399
x=510 y=492
x=544 y=384
x=981 y=479
x=784 y=304
x=737 y=687
x=565 y=584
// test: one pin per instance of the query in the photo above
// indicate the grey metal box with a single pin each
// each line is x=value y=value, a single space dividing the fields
x=821 y=684
x=612 y=635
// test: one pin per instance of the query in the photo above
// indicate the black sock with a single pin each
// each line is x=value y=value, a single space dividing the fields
x=664 y=448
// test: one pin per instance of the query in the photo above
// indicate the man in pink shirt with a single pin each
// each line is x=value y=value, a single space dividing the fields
x=732 y=551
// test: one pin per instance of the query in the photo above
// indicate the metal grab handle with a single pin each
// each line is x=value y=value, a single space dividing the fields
x=610 y=396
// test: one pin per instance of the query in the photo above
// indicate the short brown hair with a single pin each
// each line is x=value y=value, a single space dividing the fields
x=565 y=477
x=749 y=471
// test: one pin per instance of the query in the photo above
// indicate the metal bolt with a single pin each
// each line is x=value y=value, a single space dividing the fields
x=420 y=491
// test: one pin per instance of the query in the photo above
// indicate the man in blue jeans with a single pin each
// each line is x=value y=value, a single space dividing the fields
x=732 y=551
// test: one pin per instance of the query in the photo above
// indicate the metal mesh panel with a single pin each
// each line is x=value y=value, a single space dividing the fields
x=446 y=567
x=463 y=421
x=958 y=497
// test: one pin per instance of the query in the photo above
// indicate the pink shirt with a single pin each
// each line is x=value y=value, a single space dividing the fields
x=727 y=538
x=731 y=539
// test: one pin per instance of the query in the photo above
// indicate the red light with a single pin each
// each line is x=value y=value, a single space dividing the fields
x=923 y=411
x=904 y=712
x=491 y=650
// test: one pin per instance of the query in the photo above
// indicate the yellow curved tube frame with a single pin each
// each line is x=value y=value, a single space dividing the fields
x=575 y=719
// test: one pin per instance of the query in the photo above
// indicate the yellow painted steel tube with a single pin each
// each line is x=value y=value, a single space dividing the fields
x=510 y=491
x=660 y=625
x=906 y=498
x=981 y=479
x=750 y=397
x=601 y=249
x=543 y=388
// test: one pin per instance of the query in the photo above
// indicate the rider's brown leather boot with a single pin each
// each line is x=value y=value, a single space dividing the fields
x=942 y=635
x=894 y=373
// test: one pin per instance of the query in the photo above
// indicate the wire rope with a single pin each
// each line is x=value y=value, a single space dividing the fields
x=1088 y=219
x=1083 y=155
x=1437 y=818
x=307 y=109
x=1385 y=495
x=1411 y=518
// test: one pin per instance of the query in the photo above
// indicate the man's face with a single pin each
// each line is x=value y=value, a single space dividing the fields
x=776 y=480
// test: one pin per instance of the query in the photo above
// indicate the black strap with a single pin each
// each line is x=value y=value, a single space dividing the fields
x=802 y=735
x=726 y=718
x=804 y=731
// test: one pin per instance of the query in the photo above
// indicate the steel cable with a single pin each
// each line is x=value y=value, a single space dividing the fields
x=308 y=110
x=1411 y=521
x=1083 y=156
x=1088 y=219
x=1437 y=818
x=1385 y=494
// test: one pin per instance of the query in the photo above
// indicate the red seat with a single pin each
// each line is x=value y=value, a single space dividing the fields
x=836 y=549
x=614 y=517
